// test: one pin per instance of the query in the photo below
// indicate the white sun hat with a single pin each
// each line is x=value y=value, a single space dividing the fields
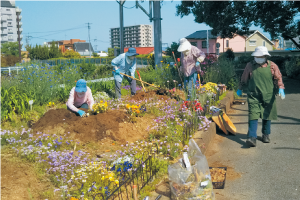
x=184 y=45
x=261 y=51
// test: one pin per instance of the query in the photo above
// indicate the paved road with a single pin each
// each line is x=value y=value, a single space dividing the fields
x=268 y=171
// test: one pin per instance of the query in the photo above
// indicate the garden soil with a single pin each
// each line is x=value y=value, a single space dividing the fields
x=141 y=95
x=19 y=180
x=106 y=129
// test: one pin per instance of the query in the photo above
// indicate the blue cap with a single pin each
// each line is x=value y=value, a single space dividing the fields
x=131 y=52
x=81 y=86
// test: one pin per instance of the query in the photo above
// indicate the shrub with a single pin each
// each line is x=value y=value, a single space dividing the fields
x=292 y=67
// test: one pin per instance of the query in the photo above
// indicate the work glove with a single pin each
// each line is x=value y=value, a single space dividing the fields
x=239 y=92
x=197 y=64
x=81 y=112
x=116 y=72
x=281 y=93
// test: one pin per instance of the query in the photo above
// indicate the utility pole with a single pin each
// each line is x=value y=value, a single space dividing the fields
x=19 y=39
x=157 y=33
x=207 y=43
x=121 y=3
x=89 y=38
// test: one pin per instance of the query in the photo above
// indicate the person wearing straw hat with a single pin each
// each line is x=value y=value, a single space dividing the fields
x=125 y=63
x=191 y=57
x=264 y=81
x=80 y=97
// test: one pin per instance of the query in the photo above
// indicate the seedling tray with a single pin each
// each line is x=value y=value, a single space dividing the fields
x=219 y=185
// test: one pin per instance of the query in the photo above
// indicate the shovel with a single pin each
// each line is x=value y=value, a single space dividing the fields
x=138 y=80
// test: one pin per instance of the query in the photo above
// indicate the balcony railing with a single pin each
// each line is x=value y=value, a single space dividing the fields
x=4 y=38
x=20 y=23
x=3 y=18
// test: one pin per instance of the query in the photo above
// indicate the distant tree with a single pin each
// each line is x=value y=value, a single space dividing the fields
x=3 y=61
x=54 y=51
x=110 y=52
x=173 y=48
x=71 y=54
x=230 y=17
x=10 y=48
x=95 y=55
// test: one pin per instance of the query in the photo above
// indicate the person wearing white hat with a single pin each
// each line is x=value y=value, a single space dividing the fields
x=191 y=57
x=264 y=81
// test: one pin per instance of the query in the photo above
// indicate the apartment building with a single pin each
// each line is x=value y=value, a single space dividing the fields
x=134 y=36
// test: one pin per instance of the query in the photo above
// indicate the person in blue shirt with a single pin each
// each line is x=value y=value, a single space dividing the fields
x=125 y=63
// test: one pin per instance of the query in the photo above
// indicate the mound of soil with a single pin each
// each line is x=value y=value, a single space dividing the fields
x=112 y=125
x=141 y=95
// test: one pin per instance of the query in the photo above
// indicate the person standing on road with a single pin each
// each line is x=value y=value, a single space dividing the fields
x=264 y=81
x=125 y=63
x=191 y=57
x=80 y=97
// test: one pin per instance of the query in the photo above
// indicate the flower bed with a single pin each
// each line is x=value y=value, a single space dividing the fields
x=77 y=172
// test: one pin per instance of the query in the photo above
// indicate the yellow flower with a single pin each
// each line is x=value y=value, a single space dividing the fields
x=103 y=178
x=111 y=179
x=116 y=182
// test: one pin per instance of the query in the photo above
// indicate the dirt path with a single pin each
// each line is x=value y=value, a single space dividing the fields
x=20 y=182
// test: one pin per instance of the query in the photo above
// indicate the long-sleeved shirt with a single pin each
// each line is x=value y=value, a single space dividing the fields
x=188 y=63
x=75 y=101
x=277 y=77
x=123 y=66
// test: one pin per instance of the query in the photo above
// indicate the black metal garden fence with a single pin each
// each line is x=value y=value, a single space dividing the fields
x=137 y=179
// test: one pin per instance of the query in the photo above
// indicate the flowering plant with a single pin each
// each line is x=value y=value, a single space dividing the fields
x=135 y=110
x=194 y=105
x=100 y=107
x=51 y=104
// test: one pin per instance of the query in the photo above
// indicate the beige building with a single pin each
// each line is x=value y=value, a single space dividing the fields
x=258 y=39
x=134 y=36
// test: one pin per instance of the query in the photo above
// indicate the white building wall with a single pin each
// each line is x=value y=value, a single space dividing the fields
x=9 y=29
x=134 y=36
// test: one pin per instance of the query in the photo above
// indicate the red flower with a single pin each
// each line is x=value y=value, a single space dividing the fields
x=178 y=59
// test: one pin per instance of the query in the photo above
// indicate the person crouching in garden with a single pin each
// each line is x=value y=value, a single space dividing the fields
x=125 y=63
x=264 y=81
x=80 y=97
x=191 y=57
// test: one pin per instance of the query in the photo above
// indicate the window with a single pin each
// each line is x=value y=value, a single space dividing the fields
x=7 y=9
x=227 y=43
x=10 y=37
x=194 y=43
x=204 y=45
x=264 y=43
x=252 y=42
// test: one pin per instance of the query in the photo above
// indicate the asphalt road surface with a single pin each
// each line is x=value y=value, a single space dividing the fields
x=267 y=171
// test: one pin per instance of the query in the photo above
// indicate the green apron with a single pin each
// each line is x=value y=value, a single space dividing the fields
x=261 y=94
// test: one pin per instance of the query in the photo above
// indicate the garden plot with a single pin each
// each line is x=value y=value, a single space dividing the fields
x=104 y=129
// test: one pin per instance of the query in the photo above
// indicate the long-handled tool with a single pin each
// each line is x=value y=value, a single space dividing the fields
x=138 y=80
x=141 y=80
x=199 y=80
x=177 y=66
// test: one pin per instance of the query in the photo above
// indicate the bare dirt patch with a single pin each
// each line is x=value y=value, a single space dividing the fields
x=19 y=180
x=105 y=130
x=141 y=95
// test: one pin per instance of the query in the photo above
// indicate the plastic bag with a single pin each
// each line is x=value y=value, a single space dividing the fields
x=191 y=183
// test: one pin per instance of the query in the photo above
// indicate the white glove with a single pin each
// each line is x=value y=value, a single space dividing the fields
x=201 y=59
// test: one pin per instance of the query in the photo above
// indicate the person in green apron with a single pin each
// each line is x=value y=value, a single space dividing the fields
x=264 y=81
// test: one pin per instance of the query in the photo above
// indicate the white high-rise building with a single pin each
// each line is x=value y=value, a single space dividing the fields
x=10 y=22
x=134 y=36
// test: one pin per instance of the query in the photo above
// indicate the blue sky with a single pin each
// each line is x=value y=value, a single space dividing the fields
x=63 y=20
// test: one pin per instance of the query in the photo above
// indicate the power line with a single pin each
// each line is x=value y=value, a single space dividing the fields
x=125 y=6
x=57 y=30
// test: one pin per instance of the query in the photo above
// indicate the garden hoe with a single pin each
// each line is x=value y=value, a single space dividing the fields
x=141 y=80
x=138 y=80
